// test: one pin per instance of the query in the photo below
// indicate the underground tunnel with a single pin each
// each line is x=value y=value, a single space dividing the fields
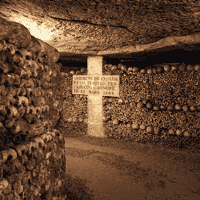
x=99 y=99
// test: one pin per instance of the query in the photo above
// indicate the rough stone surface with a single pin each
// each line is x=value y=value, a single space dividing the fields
x=107 y=27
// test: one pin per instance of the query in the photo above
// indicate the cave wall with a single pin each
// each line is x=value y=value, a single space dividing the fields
x=32 y=158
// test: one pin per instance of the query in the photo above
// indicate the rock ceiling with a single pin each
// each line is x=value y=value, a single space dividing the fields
x=102 y=27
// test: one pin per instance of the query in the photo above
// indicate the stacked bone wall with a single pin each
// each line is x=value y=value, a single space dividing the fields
x=74 y=108
x=157 y=104
x=32 y=160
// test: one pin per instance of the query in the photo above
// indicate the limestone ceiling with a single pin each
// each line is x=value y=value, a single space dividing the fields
x=102 y=27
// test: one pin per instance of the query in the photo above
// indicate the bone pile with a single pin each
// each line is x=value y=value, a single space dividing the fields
x=157 y=104
x=31 y=148
x=74 y=107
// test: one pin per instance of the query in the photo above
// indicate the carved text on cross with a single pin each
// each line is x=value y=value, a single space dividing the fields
x=95 y=85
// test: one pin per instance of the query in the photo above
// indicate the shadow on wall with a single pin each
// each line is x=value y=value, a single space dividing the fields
x=144 y=59
x=68 y=66
x=141 y=59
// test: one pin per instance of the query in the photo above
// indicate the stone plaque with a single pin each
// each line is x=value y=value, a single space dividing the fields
x=103 y=85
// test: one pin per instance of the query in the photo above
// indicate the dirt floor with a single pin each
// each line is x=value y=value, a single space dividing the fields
x=123 y=170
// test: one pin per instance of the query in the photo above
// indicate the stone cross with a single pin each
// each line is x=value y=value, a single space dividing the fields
x=95 y=85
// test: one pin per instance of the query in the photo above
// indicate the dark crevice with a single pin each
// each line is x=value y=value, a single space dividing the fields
x=16 y=12
x=90 y=23
x=2 y=15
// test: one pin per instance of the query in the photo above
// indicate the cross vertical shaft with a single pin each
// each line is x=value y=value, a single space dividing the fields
x=95 y=105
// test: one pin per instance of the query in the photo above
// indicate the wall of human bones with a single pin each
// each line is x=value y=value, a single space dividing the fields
x=32 y=160
x=158 y=103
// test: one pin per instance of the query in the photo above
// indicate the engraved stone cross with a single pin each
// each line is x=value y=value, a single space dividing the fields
x=95 y=85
